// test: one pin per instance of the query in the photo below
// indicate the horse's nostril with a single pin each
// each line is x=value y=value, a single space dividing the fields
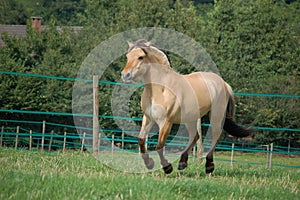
x=126 y=76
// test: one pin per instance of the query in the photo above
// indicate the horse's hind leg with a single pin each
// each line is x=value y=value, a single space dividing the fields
x=146 y=126
x=209 y=165
x=216 y=121
x=163 y=134
x=193 y=138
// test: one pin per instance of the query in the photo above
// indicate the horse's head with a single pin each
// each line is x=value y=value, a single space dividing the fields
x=136 y=60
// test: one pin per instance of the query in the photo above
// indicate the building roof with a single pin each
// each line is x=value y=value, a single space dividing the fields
x=20 y=30
x=16 y=30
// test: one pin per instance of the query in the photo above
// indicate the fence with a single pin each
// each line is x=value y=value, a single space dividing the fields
x=21 y=138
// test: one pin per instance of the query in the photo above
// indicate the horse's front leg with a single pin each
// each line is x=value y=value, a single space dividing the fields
x=146 y=127
x=164 y=130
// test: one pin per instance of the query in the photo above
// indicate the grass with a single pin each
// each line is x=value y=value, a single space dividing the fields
x=75 y=175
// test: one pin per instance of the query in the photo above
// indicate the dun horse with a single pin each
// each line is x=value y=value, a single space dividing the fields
x=171 y=98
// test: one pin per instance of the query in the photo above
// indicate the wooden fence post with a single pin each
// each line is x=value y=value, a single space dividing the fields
x=38 y=143
x=270 y=156
x=17 y=137
x=123 y=136
x=1 y=137
x=50 y=142
x=194 y=152
x=43 y=134
x=82 y=142
x=99 y=141
x=30 y=139
x=112 y=143
x=65 y=140
x=95 y=115
x=232 y=152
x=289 y=146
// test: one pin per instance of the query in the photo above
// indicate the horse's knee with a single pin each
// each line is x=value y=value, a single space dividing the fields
x=141 y=141
x=159 y=147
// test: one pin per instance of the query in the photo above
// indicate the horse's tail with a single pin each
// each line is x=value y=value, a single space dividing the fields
x=230 y=126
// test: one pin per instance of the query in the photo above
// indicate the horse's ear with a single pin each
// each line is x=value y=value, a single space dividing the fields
x=130 y=44
x=148 y=44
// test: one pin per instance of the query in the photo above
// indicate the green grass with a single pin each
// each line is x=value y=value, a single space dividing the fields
x=74 y=175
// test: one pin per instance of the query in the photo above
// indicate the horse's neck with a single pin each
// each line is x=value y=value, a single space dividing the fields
x=159 y=74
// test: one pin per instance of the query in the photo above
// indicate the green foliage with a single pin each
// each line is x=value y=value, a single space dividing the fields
x=66 y=12
x=255 y=45
x=12 y=12
x=51 y=53
x=253 y=40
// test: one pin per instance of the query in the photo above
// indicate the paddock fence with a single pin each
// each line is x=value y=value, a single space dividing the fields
x=14 y=135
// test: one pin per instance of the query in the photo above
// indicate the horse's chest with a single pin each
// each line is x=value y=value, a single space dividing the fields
x=160 y=105
x=155 y=111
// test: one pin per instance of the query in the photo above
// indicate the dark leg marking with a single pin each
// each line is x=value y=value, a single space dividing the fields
x=209 y=166
x=167 y=167
x=183 y=163
x=149 y=162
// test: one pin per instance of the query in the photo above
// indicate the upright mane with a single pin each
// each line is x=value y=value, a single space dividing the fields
x=150 y=48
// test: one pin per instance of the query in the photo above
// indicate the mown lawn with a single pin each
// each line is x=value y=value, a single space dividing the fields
x=75 y=175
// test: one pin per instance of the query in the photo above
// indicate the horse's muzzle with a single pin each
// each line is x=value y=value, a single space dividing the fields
x=127 y=77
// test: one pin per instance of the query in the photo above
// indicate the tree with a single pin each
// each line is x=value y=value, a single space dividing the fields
x=12 y=12
x=255 y=47
x=51 y=53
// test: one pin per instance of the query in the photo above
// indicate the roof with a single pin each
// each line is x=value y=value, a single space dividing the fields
x=20 y=30
x=17 y=30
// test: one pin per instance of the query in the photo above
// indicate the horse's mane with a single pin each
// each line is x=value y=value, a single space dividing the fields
x=150 y=48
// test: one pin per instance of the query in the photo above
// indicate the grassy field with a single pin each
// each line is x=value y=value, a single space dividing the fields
x=74 y=175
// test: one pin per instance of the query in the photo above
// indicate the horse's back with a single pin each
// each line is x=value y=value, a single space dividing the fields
x=207 y=87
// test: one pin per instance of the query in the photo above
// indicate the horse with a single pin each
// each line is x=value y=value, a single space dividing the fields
x=171 y=98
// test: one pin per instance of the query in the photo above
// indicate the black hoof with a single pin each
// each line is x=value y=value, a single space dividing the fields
x=209 y=168
x=149 y=163
x=168 y=169
x=182 y=165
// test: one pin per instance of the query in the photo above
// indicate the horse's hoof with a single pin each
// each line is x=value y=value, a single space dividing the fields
x=182 y=165
x=168 y=169
x=149 y=163
x=209 y=168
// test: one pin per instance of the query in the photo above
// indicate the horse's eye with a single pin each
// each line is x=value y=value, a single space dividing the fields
x=141 y=58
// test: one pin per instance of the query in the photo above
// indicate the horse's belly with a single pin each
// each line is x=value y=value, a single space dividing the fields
x=187 y=116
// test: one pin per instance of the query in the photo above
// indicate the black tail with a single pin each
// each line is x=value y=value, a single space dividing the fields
x=231 y=126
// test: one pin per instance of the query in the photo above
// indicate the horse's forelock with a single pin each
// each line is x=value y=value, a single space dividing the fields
x=147 y=47
x=142 y=43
